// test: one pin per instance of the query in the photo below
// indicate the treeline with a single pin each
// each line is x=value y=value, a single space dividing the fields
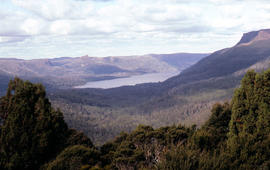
x=102 y=114
x=236 y=136
x=102 y=123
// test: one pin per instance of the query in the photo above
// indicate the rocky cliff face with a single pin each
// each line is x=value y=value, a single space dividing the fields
x=253 y=36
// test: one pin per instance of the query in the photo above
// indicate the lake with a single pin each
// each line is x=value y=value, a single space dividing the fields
x=129 y=81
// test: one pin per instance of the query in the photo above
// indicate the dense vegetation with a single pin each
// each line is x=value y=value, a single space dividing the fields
x=33 y=133
x=186 y=98
x=103 y=114
x=237 y=135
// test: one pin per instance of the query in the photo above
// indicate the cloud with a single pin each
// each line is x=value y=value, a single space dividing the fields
x=11 y=39
x=125 y=26
x=96 y=0
x=56 y=9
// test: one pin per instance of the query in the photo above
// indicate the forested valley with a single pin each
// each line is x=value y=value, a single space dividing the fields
x=134 y=85
x=236 y=136
x=186 y=98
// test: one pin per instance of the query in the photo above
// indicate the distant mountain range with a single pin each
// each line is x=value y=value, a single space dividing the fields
x=186 y=98
x=67 y=72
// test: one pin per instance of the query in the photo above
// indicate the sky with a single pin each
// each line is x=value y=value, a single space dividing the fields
x=31 y=29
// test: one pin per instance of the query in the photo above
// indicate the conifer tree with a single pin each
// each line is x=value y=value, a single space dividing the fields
x=249 y=141
x=32 y=131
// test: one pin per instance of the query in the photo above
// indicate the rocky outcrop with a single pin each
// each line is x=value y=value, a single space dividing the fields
x=253 y=36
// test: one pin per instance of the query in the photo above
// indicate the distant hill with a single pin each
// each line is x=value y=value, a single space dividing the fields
x=186 y=98
x=67 y=72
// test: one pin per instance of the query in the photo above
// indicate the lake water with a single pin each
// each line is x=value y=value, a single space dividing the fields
x=129 y=81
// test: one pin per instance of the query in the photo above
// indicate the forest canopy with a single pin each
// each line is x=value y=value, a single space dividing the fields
x=33 y=135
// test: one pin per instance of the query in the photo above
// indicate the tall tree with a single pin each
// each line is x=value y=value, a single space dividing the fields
x=249 y=140
x=32 y=131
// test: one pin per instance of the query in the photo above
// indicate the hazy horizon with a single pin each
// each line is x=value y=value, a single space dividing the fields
x=57 y=57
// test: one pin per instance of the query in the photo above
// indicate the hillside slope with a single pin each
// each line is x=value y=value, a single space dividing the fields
x=236 y=136
x=186 y=98
x=252 y=48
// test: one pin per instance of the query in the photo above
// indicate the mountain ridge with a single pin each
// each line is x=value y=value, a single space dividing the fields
x=227 y=61
x=252 y=36
x=186 y=98
x=67 y=72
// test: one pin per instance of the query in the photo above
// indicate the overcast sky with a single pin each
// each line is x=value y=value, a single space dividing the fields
x=56 y=28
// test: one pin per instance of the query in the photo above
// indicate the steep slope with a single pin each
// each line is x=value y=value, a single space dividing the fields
x=252 y=48
x=214 y=77
x=180 y=60
x=186 y=98
x=253 y=36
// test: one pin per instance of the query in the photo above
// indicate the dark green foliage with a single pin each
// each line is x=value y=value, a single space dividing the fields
x=215 y=130
x=236 y=136
x=32 y=132
x=180 y=158
x=249 y=136
x=77 y=138
x=73 y=158
x=143 y=147
x=203 y=147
